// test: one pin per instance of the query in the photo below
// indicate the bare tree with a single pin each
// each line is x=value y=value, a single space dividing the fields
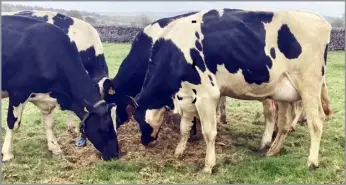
x=75 y=14
x=144 y=20
x=90 y=20
x=338 y=23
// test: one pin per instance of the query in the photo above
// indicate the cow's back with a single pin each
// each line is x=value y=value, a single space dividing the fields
x=247 y=52
x=82 y=33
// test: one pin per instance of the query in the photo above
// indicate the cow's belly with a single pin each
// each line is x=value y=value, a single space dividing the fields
x=44 y=102
x=235 y=86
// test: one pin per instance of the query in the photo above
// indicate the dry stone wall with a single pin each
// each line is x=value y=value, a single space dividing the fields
x=121 y=34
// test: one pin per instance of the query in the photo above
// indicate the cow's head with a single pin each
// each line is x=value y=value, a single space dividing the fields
x=150 y=121
x=125 y=105
x=98 y=126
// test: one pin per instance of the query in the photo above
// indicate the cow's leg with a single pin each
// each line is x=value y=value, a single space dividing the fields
x=315 y=117
x=221 y=110
x=47 y=105
x=327 y=109
x=193 y=132
x=53 y=145
x=14 y=116
x=270 y=112
x=186 y=122
x=284 y=124
x=296 y=114
x=207 y=116
x=72 y=125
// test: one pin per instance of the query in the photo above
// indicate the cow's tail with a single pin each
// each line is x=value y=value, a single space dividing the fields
x=325 y=101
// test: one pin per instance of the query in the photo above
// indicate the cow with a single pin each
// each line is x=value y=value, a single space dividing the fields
x=131 y=73
x=248 y=55
x=40 y=62
x=88 y=43
x=130 y=76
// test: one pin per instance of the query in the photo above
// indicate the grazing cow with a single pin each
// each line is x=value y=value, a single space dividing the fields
x=131 y=73
x=88 y=44
x=41 y=63
x=130 y=76
x=249 y=55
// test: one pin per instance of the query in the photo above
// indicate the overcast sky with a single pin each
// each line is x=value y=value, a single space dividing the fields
x=329 y=8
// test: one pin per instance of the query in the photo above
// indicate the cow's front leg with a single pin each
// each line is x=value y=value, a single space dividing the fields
x=47 y=105
x=14 y=116
x=207 y=115
x=72 y=125
x=186 y=123
x=52 y=142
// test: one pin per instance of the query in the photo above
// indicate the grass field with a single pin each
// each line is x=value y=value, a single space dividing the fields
x=237 y=164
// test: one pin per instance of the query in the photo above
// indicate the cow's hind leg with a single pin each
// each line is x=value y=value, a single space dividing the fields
x=284 y=124
x=221 y=110
x=207 y=115
x=297 y=114
x=14 y=116
x=270 y=114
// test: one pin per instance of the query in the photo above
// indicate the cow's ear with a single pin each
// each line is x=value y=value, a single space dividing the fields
x=108 y=91
x=131 y=105
x=130 y=110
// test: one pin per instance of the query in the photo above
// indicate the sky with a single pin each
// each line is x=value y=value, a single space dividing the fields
x=329 y=8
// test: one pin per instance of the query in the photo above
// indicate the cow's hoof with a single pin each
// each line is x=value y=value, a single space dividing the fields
x=264 y=146
x=81 y=142
x=193 y=138
x=207 y=170
x=56 y=151
x=292 y=129
x=7 y=157
x=223 y=120
x=179 y=154
x=263 y=149
x=313 y=164
x=271 y=153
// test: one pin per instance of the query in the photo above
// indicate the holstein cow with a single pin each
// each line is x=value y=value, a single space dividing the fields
x=249 y=55
x=130 y=76
x=129 y=81
x=40 y=62
x=88 y=44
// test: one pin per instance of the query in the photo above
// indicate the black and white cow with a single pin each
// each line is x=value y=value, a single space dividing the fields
x=250 y=55
x=130 y=76
x=39 y=62
x=88 y=43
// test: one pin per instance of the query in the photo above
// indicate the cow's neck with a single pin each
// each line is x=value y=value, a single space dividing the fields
x=81 y=86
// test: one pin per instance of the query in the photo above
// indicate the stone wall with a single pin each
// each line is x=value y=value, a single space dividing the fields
x=117 y=34
x=127 y=34
x=337 y=39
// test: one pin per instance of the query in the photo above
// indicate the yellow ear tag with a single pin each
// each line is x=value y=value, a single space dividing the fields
x=111 y=91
